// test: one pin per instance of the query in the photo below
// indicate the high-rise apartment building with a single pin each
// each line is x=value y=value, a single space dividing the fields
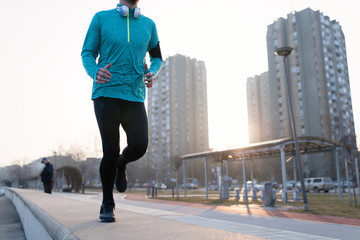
x=177 y=111
x=258 y=101
x=319 y=85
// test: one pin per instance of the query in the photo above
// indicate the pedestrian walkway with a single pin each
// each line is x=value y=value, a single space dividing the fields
x=10 y=224
x=142 y=218
x=255 y=210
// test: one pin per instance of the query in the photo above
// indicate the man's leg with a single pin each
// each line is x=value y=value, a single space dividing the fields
x=135 y=124
x=47 y=187
x=106 y=111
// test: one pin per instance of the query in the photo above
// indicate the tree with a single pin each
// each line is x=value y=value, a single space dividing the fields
x=349 y=142
x=16 y=173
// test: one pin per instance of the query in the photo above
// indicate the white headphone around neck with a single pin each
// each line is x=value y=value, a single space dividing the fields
x=124 y=11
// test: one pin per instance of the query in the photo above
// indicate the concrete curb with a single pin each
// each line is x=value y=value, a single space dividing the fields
x=37 y=224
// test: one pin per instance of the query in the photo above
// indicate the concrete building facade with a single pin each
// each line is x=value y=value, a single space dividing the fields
x=319 y=85
x=177 y=111
x=258 y=100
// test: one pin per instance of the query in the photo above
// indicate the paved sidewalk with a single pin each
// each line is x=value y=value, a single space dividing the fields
x=254 y=210
x=141 y=218
x=10 y=224
x=79 y=214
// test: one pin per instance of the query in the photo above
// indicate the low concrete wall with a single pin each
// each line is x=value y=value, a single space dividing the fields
x=37 y=224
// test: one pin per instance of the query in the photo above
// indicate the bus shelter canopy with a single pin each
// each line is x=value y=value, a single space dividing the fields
x=307 y=144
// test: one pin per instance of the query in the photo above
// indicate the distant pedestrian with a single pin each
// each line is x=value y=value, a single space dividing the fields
x=113 y=55
x=47 y=175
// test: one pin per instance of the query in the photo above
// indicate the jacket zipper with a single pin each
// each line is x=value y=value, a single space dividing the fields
x=128 y=29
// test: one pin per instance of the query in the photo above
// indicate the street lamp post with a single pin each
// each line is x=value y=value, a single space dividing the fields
x=285 y=52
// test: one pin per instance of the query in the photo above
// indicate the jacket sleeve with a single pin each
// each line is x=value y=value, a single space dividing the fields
x=47 y=173
x=90 y=50
x=155 y=53
x=155 y=65
x=48 y=170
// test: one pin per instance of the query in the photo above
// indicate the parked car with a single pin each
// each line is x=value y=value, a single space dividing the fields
x=160 y=185
x=290 y=185
x=189 y=186
x=351 y=184
x=275 y=185
x=345 y=184
x=235 y=186
x=249 y=185
x=319 y=184
x=260 y=187
x=147 y=185
x=214 y=187
x=192 y=183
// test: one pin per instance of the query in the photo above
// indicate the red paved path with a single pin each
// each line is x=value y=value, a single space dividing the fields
x=252 y=211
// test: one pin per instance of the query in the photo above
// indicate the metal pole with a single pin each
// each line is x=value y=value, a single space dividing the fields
x=347 y=180
x=338 y=172
x=184 y=177
x=177 y=179
x=221 y=181
x=206 y=179
x=292 y=118
x=294 y=170
x=227 y=167
x=62 y=178
x=357 y=176
x=252 y=174
x=253 y=190
x=283 y=171
x=244 y=177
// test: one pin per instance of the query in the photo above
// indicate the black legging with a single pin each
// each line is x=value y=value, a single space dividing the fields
x=110 y=114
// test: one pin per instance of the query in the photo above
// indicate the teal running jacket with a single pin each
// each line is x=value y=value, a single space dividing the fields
x=124 y=42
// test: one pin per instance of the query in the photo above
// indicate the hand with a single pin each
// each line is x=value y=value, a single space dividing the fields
x=149 y=78
x=103 y=75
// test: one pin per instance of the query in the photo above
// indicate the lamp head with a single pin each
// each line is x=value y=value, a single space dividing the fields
x=283 y=51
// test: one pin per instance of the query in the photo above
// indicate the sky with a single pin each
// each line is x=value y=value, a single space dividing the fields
x=45 y=104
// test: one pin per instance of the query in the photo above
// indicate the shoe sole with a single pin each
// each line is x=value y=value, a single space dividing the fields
x=107 y=220
x=120 y=190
